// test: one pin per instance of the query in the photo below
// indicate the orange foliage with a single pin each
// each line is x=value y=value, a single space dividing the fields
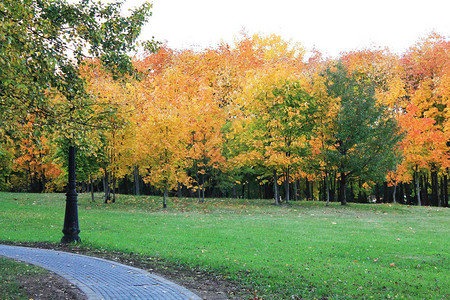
x=34 y=155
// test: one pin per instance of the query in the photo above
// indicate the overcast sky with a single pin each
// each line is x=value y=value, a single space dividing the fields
x=330 y=26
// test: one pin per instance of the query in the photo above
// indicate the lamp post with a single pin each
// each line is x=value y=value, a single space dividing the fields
x=71 y=228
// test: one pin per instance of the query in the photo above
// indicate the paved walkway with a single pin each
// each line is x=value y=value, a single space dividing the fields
x=99 y=278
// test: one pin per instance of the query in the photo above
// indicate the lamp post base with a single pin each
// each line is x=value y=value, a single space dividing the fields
x=71 y=239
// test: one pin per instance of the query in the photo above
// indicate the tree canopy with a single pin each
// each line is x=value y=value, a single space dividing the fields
x=234 y=120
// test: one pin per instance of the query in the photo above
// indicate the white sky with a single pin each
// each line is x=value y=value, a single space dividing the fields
x=330 y=26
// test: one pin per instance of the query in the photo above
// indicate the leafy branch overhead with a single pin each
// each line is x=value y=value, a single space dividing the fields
x=44 y=42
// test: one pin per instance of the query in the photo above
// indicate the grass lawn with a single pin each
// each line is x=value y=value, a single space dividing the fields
x=9 y=273
x=306 y=249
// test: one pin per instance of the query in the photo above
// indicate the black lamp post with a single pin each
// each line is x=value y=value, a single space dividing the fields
x=71 y=228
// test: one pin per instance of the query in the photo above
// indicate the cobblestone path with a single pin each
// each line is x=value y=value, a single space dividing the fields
x=99 y=278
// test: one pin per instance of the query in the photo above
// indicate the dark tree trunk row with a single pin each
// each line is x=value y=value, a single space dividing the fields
x=424 y=189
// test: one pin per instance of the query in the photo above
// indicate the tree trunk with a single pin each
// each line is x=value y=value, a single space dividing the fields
x=307 y=190
x=275 y=187
x=106 y=186
x=199 y=190
x=114 y=188
x=43 y=181
x=179 y=191
x=248 y=186
x=328 y=190
x=385 y=192
x=377 y=193
x=203 y=188
x=342 y=193
x=333 y=187
x=91 y=188
x=136 y=179
x=286 y=185
x=295 y=191
x=435 y=199
x=419 y=202
x=352 y=193
x=424 y=190
x=394 y=194
x=165 y=195
x=407 y=193
x=29 y=179
x=322 y=191
x=401 y=193
x=360 y=192
x=445 y=193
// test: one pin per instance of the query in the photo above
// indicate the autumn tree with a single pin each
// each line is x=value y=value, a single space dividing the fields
x=425 y=71
x=291 y=119
x=163 y=124
x=384 y=70
x=165 y=146
x=318 y=163
x=34 y=162
x=272 y=108
x=116 y=101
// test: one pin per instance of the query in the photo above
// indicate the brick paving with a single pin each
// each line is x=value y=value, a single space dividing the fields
x=99 y=278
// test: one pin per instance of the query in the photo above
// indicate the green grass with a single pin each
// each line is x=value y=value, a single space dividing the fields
x=306 y=249
x=10 y=270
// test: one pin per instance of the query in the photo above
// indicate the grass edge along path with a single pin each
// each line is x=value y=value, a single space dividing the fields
x=10 y=271
x=304 y=250
x=25 y=281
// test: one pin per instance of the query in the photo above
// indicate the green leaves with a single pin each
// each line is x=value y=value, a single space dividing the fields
x=41 y=39
x=365 y=138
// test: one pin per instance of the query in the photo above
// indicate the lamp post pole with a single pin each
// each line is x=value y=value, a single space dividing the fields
x=71 y=228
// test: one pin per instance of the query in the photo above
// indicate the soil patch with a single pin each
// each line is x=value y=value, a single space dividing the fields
x=203 y=283
x=49 y=286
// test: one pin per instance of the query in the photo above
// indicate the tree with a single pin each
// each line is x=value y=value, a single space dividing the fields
x=274 y=134
x=318 y=164
x=205 y=117
x=291 y=121
x=422 y=146
x=165 y=146
x=43 y=44
x=426 y=71
x=269 y=110
x=365 y=137
x=35 y=159
x=163 y=124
